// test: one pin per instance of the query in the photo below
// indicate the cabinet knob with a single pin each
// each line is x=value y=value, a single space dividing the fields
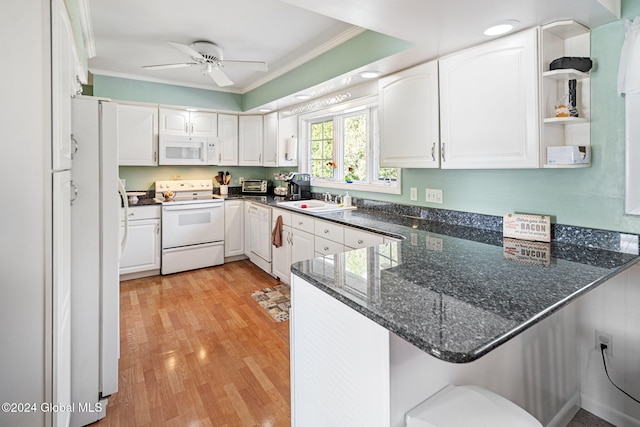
x=433 y=152
x=442 y=153
x=360 y=241
x=326 y=248
x=326 y=231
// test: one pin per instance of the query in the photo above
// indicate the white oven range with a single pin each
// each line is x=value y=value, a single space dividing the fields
x=192 y=225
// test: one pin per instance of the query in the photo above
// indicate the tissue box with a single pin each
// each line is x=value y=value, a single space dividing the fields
x=568 y=155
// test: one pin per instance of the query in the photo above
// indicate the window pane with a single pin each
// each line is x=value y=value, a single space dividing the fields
x=321 y=149
x=355 y=147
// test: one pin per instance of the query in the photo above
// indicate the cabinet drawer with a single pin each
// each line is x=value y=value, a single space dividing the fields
x=286 y=216
x=327 y=247
x=355 y=238
x=141 y=212
x=329 y=230
x=302 y=222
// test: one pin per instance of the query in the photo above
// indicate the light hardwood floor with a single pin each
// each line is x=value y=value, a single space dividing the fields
x=196 y=350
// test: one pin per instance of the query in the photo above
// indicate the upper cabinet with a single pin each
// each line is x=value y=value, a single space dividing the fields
x=565 y=124
x=227 y=140
x=188 y=123
x=408 y=108
x=489 y=105
x=250 y=141
x=270 y=140
x=137 y=135
x=62 y=85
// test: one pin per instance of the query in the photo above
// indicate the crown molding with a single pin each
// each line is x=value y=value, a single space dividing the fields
x=87 y=29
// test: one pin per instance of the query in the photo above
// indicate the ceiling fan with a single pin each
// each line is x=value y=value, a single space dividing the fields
x=209 y=57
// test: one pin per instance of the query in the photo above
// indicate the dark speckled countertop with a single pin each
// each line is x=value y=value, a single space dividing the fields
x=446 y=285
x=448 y=288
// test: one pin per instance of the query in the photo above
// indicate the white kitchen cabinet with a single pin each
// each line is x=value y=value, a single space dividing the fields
x=355 y=238
x=340 y=376
x=564 y=38
x=137 y=135
x=233 y=228
x=409 y=118
x=287 y=141
x=227 y=140
x=63 y=73
x=302 y=245
x=188 y=123
x=489 y=105
x=250 y=136
x=281 y=257
x=142 y=252
x=270 y=140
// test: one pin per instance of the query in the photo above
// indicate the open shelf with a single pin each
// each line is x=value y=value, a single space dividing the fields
x=572 y=166
x=565 y=120
x=566 y=74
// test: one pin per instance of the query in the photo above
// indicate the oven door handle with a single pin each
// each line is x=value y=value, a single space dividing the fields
x=194 y=206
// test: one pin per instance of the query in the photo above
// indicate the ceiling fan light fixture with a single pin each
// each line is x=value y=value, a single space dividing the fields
x=502 y=27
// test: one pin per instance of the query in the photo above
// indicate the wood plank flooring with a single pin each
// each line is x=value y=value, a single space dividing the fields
x=197 y=350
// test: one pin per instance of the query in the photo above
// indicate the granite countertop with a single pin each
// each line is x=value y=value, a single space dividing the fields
x=450 y=289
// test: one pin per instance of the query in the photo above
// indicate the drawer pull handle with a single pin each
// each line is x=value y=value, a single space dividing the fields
x=300 y=222
x=326 y=248
x=326 y=231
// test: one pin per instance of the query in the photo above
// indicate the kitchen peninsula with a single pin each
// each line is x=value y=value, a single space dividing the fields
x=377 y=330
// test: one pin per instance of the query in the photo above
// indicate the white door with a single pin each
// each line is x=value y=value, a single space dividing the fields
x=302 y=246
x=137 y=135
x=233 y=228
x=203 y=124
x=270 y=140
x=409 y=118
x=184 y=225
x=174 y=122
x=142 y=252
x=489 y=107
x=260 y=218
x=281 y=257
x=227 y=139
x=62 y=194
x=250 y=141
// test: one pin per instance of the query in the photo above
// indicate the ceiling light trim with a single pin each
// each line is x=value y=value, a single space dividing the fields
x=502 y=27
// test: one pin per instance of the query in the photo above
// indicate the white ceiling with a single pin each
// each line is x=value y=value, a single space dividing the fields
x=131 y=33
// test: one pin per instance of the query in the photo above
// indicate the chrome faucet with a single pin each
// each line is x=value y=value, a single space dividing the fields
x=327 y=197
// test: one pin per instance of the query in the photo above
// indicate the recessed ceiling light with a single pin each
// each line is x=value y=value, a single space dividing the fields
x=303 y=96
x=369 y=74
x=192 y=109
x=264 y=110
x=501 y=27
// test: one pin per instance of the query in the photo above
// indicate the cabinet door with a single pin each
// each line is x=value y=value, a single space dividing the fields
x=247 y=229
x=281 y=257
x=270 y=140
x=250 y=141
x=489 y=107
x=137 y=135
x=409 y=119
x=142 y=252
x=227 y=140
x=233 y=228
x=287 y=149
x=302 y=246
x=62 y=71
x=203 y=124
x=174 y=122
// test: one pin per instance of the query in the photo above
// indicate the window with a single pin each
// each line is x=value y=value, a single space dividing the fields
x=342 y=150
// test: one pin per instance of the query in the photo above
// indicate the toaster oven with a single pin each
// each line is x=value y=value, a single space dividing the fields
x=255 y=186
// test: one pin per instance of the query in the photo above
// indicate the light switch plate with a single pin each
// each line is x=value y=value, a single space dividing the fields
x=414 y=194
x=433 y=196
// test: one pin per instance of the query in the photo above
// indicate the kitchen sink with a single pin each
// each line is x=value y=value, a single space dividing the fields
x=314 y=206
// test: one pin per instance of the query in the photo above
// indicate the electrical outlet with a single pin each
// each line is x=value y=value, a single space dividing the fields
x=414 y=194
x=433 y=196
x=604 y=338
x=241 y=180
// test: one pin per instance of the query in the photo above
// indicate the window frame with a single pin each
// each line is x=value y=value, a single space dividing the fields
x=337 y=113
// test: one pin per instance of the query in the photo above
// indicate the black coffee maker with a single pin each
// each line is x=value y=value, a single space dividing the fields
x=298 y=186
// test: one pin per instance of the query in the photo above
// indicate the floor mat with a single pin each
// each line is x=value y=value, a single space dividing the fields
x=276 y=301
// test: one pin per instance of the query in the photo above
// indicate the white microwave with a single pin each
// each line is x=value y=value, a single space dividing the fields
x=187 y=150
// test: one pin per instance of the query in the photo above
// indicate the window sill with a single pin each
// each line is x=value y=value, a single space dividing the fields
x=372 y=188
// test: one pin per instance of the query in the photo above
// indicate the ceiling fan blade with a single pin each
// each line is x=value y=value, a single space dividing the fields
x=168 y=66
x=186 y=49
x=246 y=65
x=219 y=77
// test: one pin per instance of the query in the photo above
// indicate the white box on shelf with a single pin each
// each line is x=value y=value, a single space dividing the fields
x=569 y=155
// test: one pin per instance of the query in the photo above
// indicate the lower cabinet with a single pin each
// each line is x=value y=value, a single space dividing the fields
x=233 y=228
x=142 y=252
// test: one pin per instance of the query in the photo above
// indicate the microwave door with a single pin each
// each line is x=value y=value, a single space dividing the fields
x=183 y=153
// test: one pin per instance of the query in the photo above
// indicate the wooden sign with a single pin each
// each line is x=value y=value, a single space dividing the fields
x=532 y=253
x=527 y=227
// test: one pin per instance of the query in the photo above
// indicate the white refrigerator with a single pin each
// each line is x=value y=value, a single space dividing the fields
x=95 y=252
